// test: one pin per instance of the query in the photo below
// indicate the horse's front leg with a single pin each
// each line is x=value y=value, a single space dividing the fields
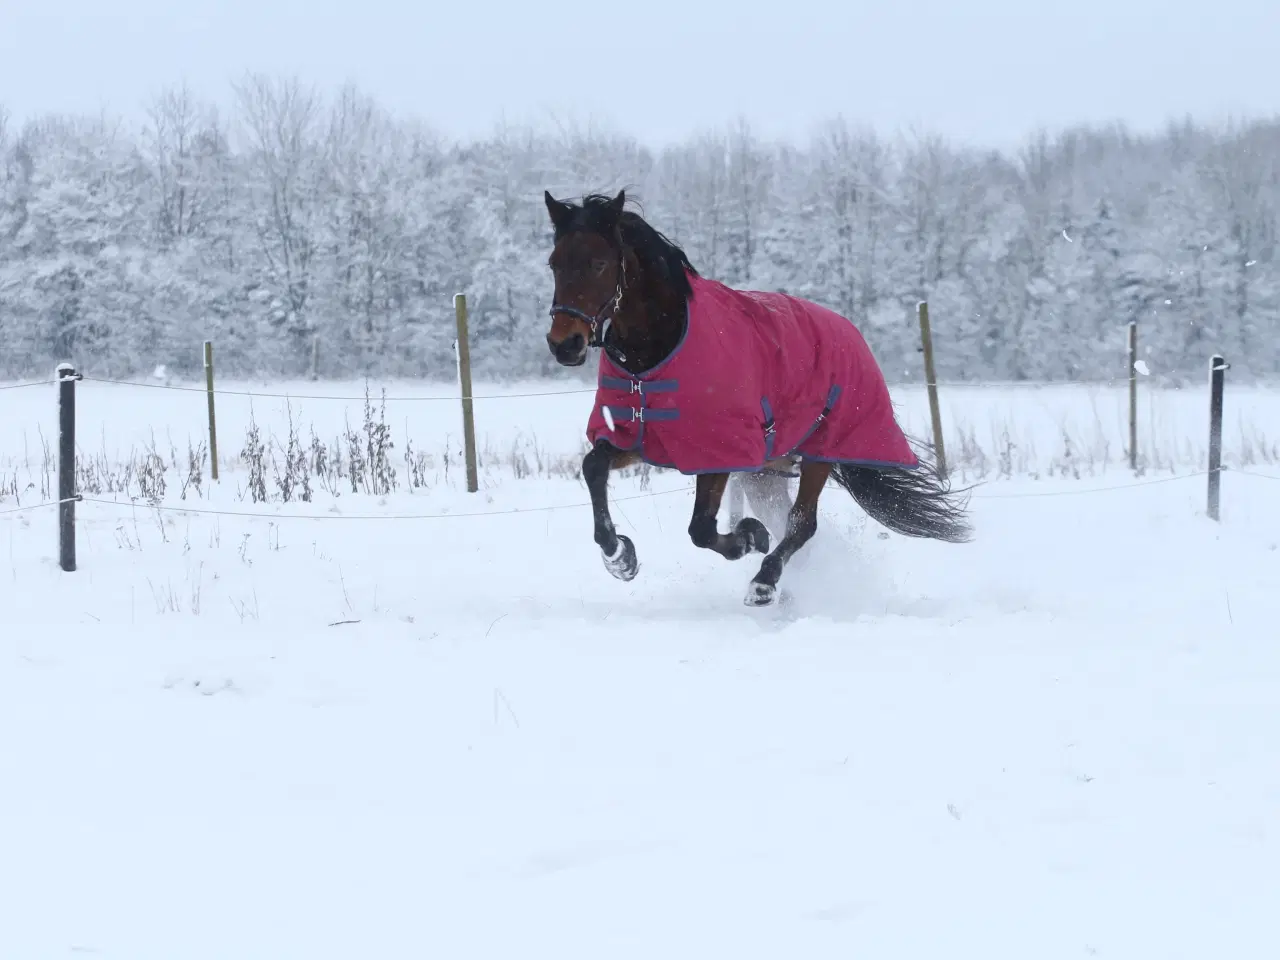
x=748 y=533
x=618 y=550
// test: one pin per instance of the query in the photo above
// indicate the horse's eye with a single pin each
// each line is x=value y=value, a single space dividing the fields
x=599 y=266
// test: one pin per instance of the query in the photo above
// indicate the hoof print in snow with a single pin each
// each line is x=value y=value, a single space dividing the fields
x=203 y=687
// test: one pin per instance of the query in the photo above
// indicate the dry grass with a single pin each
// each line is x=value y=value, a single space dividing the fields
x=365 y=460
x=1004 y=450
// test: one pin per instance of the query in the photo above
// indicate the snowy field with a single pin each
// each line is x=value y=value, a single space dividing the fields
x=377 y=725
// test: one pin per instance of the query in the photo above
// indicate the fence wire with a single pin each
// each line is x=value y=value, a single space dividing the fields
x=468 y=514
x=23 y=386
x=1075 y=493
x=8 y=511
x=372 y=397
x=37 y=506
x=1162 y=380
x=471 y=514
x=1255 y=473
x=391 y=398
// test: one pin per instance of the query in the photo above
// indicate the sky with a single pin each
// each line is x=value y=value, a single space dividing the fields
x=980 y=72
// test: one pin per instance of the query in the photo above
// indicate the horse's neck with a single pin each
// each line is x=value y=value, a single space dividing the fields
x=653 y=333
x=653 y=327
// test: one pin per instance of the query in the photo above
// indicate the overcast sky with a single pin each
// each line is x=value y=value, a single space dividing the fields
x=979 y=71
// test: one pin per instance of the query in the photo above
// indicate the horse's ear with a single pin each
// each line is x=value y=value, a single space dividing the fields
x=560 y=212
x=617 y=203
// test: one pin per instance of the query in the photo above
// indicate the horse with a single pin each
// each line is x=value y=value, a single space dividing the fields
x=713 y=381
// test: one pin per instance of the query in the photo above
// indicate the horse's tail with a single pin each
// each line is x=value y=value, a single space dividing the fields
x=916 y=502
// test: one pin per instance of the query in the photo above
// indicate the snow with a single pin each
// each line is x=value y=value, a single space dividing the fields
x=458 y=736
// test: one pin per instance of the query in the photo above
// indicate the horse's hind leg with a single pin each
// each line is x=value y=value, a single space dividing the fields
x=802 y=524
x=748 y=535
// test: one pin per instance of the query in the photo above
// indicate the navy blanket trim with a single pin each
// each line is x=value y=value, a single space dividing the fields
x=869 y=464
x=645 y=414
x=769 y=433
x=640 y=386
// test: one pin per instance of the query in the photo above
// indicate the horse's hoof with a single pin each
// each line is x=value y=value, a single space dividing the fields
x=754 y=534
x=760 y=594
x=623 y=564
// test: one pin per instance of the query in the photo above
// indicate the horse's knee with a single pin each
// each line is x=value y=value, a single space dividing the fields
x=595 y=464
x=702 y=530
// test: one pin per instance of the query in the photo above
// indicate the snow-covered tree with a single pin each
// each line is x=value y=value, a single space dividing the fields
x=301 y=221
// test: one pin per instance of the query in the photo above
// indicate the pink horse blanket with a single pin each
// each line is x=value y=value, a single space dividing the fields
x=757 y=377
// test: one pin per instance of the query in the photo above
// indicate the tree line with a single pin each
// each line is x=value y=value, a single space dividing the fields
x=301 y=229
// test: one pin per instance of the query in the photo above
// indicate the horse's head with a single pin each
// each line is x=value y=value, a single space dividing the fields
x=591 y=265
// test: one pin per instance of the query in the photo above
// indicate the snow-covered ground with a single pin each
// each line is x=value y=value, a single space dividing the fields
x=302 y=734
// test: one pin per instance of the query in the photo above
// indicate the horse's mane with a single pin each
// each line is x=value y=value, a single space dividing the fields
x=653 y=248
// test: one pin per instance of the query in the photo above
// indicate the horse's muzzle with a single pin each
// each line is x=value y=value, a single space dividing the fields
x=571 y=351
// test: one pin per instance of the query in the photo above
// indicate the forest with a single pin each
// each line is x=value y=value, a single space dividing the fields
x=307 y=233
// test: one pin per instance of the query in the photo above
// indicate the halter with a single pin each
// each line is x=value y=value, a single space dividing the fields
x=599 y=324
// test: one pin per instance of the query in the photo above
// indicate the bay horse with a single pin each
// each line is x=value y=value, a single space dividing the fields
x=712 y=381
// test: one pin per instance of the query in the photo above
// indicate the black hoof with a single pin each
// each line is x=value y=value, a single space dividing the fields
x=624 y=564
x=760 y=594
x=754 y=534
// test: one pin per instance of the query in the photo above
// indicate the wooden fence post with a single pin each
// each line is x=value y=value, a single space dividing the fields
x=213 y=420
x=1217 y=381
x=931 y=381
x=1133 y=395
x=67 y=466
x=462 y=347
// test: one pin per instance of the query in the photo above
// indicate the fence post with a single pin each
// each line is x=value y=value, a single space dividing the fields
x=931 y=381
x=462 y=347
x=1133 y=395
x=67 y=466
x=1217 y=380
x=213 y=420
